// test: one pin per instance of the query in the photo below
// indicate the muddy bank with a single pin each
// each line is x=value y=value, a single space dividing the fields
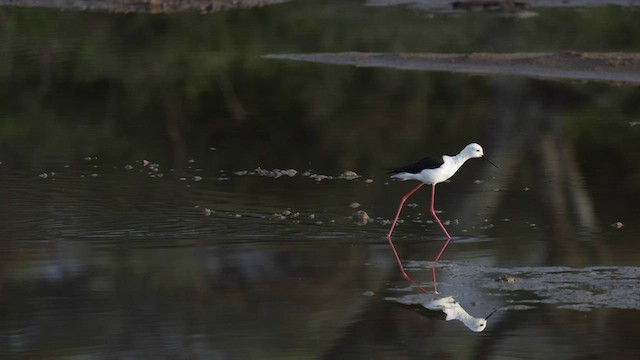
x=608 y=67
x=143 y=6
x=208 y=6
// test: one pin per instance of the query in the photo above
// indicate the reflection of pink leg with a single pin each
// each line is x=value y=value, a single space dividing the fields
x=433 y=213
x=404 y=198
x=435 y=282
x=404 y=273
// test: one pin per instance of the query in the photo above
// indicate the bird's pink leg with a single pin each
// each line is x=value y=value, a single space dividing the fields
x=404 y=198
x=433 y=213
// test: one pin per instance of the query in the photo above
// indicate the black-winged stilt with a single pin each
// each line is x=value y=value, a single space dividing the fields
x=434 y=170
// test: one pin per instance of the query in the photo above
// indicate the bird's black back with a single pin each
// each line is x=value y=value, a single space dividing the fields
x=430 y=162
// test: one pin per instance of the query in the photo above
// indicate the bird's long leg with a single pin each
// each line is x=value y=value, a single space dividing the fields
x=433 y=213
x=404 y=198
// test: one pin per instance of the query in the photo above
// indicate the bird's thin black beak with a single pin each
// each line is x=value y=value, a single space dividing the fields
x=493 y=312
x=489 y=161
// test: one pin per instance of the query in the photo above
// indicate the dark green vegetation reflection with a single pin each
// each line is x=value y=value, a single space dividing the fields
x=106 y=253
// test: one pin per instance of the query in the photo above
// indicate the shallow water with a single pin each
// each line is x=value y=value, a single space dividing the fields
x=135 y=223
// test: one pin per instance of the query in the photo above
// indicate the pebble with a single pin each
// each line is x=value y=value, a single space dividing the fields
x=289 y=173
x=354 y=205
x=617 y=225
x=360 y=217
x=319 y=178
x=349 y=175
x=275 y=173
x=508 y=279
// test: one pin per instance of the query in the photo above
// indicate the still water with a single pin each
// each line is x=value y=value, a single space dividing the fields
x=144 y=214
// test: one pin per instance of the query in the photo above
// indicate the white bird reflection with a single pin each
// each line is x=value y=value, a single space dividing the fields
x=448 y=305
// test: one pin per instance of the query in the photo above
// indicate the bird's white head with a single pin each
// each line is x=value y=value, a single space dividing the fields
x=472 y=150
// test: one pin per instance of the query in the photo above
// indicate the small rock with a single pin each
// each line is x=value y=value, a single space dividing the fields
x=349 y=175
x=369 y=181
x=128 y=167
x=617 y=225
x=290 y=172
x=412 y=205
x=368 y=293
x=206 y=211
x=507 y=279
x=286 y=212
x=318 y=177
x=360 y=217
x=145 y=162
x=354 y=205
x=241 y=173
x=478 y=181
x=197 y=178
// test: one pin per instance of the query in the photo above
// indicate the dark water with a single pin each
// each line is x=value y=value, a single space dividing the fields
x=134 y=224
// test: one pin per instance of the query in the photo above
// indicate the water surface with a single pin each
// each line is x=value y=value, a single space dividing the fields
x=136 y=223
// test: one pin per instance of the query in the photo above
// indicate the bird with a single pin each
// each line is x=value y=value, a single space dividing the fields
x=434 y=170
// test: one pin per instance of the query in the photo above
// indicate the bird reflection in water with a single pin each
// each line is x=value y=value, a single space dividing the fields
x=428 y=302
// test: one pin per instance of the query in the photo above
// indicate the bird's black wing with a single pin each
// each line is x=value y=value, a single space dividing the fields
x=430 y=162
